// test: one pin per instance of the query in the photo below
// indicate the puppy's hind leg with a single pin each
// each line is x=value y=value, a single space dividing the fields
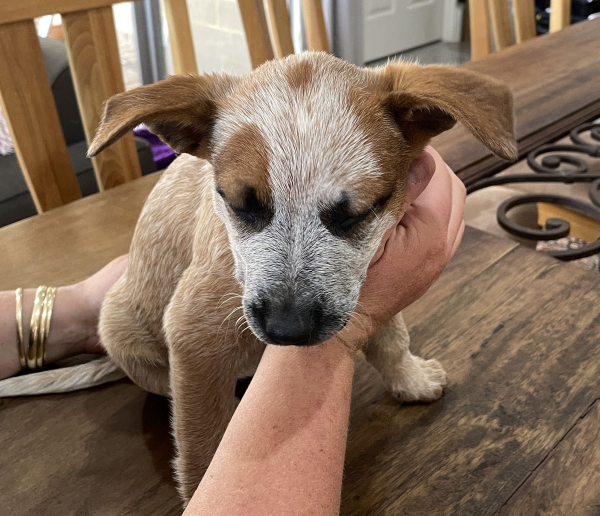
x=406 y=376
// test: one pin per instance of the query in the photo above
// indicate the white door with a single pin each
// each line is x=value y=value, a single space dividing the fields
x=392 y=26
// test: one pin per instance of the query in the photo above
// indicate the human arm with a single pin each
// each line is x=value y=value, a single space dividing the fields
x=74 y=319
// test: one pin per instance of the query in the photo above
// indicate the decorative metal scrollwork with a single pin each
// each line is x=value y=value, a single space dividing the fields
x=551 y=169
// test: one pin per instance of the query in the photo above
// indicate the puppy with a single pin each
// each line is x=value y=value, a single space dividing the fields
x=263 y=229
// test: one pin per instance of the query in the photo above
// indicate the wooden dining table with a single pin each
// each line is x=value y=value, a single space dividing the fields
x=518 y=332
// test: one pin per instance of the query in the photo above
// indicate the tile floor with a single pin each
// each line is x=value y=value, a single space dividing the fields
x=434 y=53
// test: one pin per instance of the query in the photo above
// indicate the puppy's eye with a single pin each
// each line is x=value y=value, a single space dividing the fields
x=245 y=216
x=251 y=213
x=343 y=223
x=340 y=222
x=348 y=223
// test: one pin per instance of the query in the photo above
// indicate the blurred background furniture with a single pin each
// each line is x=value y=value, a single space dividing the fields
x=28 y=104
x=15 y=200
x=549 y=201
x=496 y=14
x=268 y=39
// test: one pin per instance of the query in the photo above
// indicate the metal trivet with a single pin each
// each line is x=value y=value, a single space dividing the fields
x=549 y=170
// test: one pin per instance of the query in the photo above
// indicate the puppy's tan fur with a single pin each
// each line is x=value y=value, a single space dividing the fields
x=172 y=322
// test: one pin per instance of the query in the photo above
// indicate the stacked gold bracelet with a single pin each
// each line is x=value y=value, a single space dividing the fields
x=34 y=356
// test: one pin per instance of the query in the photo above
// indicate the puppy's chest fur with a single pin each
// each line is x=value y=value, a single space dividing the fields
x=181 y=245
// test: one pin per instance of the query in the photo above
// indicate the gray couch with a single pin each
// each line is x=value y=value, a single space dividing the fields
x=15 y=201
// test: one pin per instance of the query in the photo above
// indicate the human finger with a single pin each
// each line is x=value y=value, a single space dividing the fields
x=459 y=195
x=435 y=202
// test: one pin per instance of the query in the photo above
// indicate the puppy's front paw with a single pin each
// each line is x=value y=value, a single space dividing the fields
x=418 y=380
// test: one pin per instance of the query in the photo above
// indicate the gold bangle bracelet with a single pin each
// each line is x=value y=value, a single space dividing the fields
x=35 y=327
x=45 y=326
x=20 y=343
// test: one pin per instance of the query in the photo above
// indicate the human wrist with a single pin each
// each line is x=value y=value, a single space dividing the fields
x=323 y=357
x=73 y=325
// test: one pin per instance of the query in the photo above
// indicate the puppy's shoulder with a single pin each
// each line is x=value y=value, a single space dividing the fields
x=164 y=235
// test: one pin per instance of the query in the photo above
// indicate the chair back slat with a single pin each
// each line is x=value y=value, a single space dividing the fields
x=560 y=14
x=525 y=28
x=96 y=69
x=30 y=112
x=256 y=31
x=180 y=36
x=316 y=32
x=479 y=27
x=260 y=46
x=280 y=27
x=481 y=12
x=500 y=17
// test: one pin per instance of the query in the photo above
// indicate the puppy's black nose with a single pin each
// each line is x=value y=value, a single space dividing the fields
x=289 y=322
x=291 y=326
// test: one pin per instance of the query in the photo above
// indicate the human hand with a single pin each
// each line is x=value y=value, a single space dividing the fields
x=414 y=252
x=92 y=291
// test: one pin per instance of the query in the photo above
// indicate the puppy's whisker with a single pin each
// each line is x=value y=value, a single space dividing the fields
x=245 y=326
x=228 y=320
x=362 y=308
x=240 y=320
x=233 y=311
x=231 y=297
x=356 y=321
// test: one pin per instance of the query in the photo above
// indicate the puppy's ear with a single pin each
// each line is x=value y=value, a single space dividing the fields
x=426 y=101
x=180 y=110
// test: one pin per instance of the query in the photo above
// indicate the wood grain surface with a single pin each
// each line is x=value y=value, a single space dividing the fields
x=554 y=79
x=72 y=242
x=567 y=481
x=97 y=75
x=28 y=105
x=519 y=341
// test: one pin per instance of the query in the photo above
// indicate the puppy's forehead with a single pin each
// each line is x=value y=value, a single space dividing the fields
x=304 y=126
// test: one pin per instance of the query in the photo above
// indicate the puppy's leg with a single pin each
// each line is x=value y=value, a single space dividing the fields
x=203 y=404
x=204 y=362
x=407 y=377
x=142 y=354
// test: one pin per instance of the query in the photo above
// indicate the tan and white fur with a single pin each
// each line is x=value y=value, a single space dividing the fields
x=263 y=229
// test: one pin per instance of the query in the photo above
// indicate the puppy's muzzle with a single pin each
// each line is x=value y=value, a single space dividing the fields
x=288 y=322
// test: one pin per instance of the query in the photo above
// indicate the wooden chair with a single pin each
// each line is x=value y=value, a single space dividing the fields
x=260 y=44
x=28 y=104
x=481 y=12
